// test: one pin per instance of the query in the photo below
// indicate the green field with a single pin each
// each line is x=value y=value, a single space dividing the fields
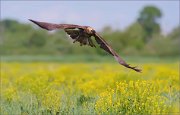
x=52 y=85
x=84 y=58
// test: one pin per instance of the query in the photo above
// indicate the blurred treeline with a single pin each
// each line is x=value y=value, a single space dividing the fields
x=143 y=37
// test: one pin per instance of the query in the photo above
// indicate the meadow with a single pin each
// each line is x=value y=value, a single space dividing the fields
x=55 y=88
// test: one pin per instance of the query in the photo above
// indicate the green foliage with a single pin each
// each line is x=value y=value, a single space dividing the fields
x=17 y=38
x=135 y=35
x=37 y=39
x=83 y=99
x=175 y=34
x=148 y=19
x=162 y=47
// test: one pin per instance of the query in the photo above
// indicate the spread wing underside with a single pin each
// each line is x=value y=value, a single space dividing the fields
x=73 y=33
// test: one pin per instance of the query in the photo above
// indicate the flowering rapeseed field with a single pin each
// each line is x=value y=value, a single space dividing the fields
x=47 y=88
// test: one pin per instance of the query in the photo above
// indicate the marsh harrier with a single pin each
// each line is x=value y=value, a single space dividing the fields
x=83 y=35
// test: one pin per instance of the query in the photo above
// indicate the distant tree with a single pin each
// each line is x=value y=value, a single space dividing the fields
x=174 y=37
x=149 y=20
x=107 y=30
x=175 y=34
x=10 y=25
x=37 y=39
x=134 y=36
x=1 y=33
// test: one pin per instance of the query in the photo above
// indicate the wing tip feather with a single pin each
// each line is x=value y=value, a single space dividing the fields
x=138 y=70
x=135 y=68
x=43 y=25
x=127 y=65
x=32 y=20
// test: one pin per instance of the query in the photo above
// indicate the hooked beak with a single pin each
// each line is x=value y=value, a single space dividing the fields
x=93 y=31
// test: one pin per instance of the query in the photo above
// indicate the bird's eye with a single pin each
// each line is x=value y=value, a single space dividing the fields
x=93 y=31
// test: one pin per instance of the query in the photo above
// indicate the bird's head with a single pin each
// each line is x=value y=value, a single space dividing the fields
x=90 y=30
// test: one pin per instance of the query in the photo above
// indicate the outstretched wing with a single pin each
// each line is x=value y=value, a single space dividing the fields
x=76 y=32
x=104 y=45
x=51 y=26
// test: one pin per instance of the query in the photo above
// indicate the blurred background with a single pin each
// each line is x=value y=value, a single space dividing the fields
x=133 y=28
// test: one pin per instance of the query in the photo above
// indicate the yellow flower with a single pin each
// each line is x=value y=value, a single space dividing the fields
x=10 y=94
x=52 y=100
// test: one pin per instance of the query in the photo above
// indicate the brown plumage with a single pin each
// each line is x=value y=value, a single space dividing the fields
x=83 y=35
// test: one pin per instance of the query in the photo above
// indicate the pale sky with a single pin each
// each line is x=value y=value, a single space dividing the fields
x=117 y=14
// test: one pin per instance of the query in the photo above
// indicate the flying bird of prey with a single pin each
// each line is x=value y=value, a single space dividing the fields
x=83 y=35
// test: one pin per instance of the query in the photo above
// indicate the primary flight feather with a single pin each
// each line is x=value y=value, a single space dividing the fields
x=83 y=35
